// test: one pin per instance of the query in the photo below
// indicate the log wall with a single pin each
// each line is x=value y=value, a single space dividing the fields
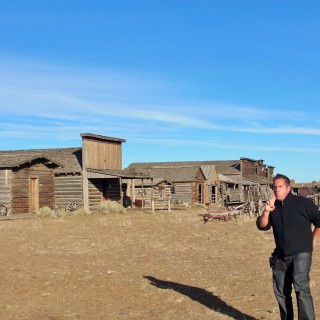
x=5 y=188
x=161 y=196
x=68 y=188
x=184 y=192
x=95 y=192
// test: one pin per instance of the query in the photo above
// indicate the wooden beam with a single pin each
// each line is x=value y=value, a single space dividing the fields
x=152 y=197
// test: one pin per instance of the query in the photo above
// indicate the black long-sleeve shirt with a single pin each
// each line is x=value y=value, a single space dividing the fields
x=291 y=223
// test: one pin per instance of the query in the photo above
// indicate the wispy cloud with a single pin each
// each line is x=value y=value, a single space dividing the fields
x=66 y=99
x=226 y=145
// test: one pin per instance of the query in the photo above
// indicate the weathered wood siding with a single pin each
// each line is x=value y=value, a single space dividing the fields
x=253 y=169
x=248 y=169
x=68 y=188
x=102 y=154
x=197 y=192
x=21 y=200
x=5 y=188
x=235 y=196
x=161 y=196
x=198 y=188
x=270 y=172
x=95 y=192
x=184 y=192
x=212 y=194
x=229 y=195
x=261 y=170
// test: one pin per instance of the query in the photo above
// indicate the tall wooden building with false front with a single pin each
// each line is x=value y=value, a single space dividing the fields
x=66 y=178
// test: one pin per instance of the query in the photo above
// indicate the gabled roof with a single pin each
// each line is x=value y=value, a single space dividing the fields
x=110 y=173
x=304 y=184
x=223 y=167
x=67 y=159
x=235 y=180
x=171 y=173
x=149 y=183
x=262 y=180
x=14 y=161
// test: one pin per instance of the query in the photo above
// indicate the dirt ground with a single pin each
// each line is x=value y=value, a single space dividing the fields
x=138 y=266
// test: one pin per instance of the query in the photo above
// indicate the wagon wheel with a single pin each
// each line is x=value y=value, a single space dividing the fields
x=176 y=201
x=3 y=210
x=72 y=206
x=57 y=206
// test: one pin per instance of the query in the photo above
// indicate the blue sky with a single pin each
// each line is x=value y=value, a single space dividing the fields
x=178 y=79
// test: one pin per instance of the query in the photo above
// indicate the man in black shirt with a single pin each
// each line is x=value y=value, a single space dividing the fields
x=291 y=218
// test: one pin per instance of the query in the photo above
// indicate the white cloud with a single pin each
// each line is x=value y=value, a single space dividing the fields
x=67 y=99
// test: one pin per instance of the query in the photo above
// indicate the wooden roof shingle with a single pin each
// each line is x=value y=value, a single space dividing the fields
x=171 y=173
x=222 y=166
x=68 y=160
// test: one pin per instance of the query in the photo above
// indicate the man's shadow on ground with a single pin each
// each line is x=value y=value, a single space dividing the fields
x=202 y=296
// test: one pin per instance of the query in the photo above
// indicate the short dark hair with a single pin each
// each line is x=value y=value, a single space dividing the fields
x=282 y=176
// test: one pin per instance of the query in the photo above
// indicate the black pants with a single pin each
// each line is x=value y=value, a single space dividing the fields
x=288 y=271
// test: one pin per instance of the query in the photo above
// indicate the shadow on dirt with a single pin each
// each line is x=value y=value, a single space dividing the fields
x=202 y=296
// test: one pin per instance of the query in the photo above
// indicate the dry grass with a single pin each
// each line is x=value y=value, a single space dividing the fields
x=110 y=207
x=136 y=265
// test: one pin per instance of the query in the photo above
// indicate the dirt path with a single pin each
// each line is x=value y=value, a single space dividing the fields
x=137 y=266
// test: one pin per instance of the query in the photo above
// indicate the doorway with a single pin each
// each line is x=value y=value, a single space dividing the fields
x=34 y=195
x=200 y=193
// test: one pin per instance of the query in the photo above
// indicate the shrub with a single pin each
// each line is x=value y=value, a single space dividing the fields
x=45 y=212
x=59 y=213
x=111 y=207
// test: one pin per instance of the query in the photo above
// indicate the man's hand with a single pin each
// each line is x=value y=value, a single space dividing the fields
x=270 y=204
x=263 y=220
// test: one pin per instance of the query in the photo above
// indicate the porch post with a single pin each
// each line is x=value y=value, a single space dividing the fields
x=132 y=192
x=152 y=196
x=121 y=193
x=85 y=190
x=142 y=194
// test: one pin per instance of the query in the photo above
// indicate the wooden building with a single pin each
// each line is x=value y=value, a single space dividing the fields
x=307 y=189
x=66 y=178
x=26 y=181
x=149 y=193
x=227 y=182
x=188 y=181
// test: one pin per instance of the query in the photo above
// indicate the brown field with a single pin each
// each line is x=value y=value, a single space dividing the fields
x=138 y=266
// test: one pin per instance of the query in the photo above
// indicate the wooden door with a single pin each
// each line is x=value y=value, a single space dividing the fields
x=34 y=195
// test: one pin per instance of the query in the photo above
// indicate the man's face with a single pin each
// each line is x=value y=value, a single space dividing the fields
x=280 y=189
